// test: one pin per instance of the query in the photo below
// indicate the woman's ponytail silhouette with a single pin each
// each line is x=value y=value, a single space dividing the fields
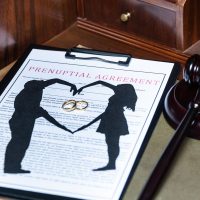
x=113 y=122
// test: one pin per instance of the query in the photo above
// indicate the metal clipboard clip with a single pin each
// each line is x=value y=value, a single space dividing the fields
x=98 y=55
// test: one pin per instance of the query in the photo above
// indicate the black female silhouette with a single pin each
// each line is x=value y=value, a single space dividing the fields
x=27 y=110
x=113 y=122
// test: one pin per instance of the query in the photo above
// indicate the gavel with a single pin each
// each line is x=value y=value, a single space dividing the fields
x=182 y=105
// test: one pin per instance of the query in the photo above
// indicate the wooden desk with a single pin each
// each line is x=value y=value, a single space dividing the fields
x=182 y=181
x=98 y=37
x=166 y=29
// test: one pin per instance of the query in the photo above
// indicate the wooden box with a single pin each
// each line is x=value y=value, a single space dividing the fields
x=172 y=25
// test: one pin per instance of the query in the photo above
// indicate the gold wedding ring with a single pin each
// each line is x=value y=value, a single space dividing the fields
x=81 y=105
x=71 y=105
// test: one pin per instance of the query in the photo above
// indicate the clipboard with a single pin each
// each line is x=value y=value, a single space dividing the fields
x=43 y=63
x=70 y=54
x=95 y=55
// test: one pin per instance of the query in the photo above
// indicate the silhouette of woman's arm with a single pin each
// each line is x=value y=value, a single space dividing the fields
x=90 y=123
x=56 y=80
x=97 y=83
x=48 y=117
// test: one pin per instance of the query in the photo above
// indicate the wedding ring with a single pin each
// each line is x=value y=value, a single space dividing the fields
x=71 y=105
x=81 y=105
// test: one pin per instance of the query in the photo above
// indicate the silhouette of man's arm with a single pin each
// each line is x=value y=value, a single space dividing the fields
x=45 y=114
x=97 y=83
x=92 y=122
x=56 y=80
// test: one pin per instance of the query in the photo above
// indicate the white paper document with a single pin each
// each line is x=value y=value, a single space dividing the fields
x=74 y=128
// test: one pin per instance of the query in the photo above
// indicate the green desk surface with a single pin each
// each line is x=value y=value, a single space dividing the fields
x=183 y=178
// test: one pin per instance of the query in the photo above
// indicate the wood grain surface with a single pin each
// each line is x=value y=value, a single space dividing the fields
x=31 y=21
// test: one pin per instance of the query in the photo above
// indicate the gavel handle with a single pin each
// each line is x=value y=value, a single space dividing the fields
x=169 y=153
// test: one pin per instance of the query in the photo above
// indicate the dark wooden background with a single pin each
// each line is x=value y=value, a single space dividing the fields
x=31 y=21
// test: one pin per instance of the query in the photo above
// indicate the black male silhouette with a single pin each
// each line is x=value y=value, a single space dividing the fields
x=113 y=122
x=27 y=110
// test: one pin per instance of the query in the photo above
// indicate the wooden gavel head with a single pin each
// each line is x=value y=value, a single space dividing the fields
x=181 y=94
x=192 y=70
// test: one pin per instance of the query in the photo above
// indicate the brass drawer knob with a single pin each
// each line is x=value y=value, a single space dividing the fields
x=125 y=17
